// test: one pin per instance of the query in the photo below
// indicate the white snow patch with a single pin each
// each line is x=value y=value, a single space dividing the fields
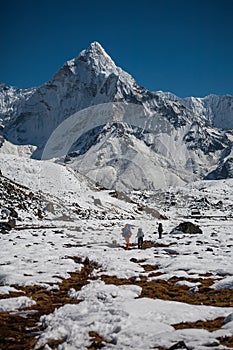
x=11 y=304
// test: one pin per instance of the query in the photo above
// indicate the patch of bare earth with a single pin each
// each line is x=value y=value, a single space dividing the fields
x=168 y=290
x=226 y=341
x=152 y=244
x=19 y=331
x=210 y=325
x=98 y=342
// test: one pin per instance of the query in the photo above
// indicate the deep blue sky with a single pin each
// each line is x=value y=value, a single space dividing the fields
x=183 y=46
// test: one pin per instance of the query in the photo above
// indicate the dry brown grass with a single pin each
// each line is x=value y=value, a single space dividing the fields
x=20 y=333
x=226 y=341
x=98 y=342
x=209 y=325
x=168 y=290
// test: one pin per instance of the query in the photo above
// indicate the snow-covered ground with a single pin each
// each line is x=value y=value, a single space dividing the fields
x=45 y=256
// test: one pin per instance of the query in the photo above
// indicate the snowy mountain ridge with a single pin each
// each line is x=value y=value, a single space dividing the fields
x=217 y=110
x=11 y=101
x=174 y=139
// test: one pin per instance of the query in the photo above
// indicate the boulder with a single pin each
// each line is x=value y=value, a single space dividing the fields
x=6 y=226
x=229 y=318
x=50 y=207
x=13 y=213
x=187 y=227
x=180 y=345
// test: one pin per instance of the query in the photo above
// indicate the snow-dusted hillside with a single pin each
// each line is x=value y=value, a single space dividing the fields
x=63 y=192
x=66 y=281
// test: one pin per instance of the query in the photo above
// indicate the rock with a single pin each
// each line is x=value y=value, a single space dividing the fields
x=195 y=212
x=229 y=318
x=179 y=345
x=12 y=223
x=5 y=213
x=193 y=290
x=86 y=261
x=40 y=214
x=211 y=343
x=6 y=226
x=97 y=202
x=171 y=251
x=13 y=213
x=187 y=227
x=50 y=208
x=223 y=171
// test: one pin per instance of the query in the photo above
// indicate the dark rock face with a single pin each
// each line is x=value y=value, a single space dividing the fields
x=187 y=227
x=199 y=137
x=17 y=199
x=223 y=171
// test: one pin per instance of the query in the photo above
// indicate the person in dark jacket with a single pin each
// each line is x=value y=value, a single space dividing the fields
x=160 y=230
x=140 y=235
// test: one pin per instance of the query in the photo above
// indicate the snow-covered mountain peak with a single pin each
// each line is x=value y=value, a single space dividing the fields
x=93 y=58
x=95 y=47
x=186 y=136
x=96 y=52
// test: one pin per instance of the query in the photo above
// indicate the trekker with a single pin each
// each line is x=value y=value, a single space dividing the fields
x=127 y=233
x=140 y=235
x=160 y=230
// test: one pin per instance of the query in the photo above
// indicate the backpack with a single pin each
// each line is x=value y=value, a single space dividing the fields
x=140 y=233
